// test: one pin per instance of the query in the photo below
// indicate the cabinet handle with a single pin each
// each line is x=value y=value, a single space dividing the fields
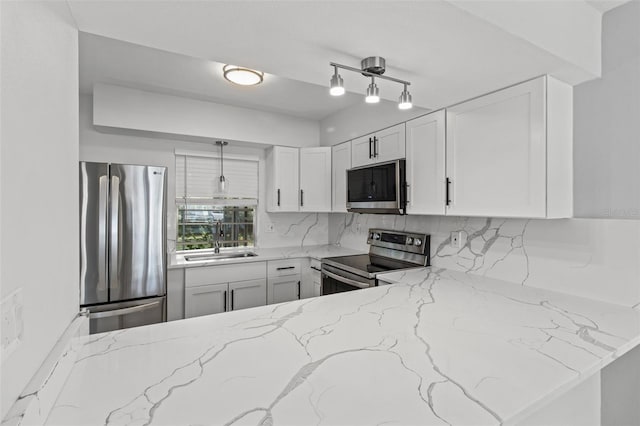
x=232 y=300
x=301 y=198
x=375 y=147
x=225 y=300
x=298 y=290
x=315 y=269
x=278 y=197
x=446 y=191
x=370 y=148
x=282 y=268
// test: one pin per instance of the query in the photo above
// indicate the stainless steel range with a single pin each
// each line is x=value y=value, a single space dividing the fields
x=388 y=251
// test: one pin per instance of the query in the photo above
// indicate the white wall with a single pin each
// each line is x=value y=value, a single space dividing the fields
x=363 y=118
x=39 y=179
x=290 y=228
x=607 y=124
x=139 y=110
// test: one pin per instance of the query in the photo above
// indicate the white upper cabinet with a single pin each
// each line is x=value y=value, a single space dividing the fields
x=509 y=152
x=340 y=163
x=426 y=164
x=315 y=179
x=384 y=145
x=282 y=179
x=298 y=179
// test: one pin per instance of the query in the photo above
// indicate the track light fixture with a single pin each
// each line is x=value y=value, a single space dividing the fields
x=374 y=67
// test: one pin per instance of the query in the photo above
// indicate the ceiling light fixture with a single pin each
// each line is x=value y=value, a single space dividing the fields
x=374 y=67
x=242 y=76
x=337 y=84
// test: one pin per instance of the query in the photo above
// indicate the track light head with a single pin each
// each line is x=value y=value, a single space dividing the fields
x=405 y=99
x=337 y=84
x=373 y=93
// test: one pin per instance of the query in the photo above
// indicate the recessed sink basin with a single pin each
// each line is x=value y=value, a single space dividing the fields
x=218 y=256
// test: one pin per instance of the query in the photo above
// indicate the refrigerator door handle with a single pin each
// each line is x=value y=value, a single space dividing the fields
x=102 y=233
x=123 y=311
x=114 y=261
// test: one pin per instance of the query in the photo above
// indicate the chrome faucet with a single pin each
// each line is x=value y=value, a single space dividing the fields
x=219 y=233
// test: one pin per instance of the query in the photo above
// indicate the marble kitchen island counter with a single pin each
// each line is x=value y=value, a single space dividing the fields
x=439 y=347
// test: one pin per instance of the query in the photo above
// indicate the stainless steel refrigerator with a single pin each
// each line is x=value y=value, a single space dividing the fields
x=122 y=244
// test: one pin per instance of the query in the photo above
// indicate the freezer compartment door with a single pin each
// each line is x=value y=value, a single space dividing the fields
x=116 y=316
x=137 y=224
x=94 y=194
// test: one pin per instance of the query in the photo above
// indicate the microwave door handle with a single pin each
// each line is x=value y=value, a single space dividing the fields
x=345 y=280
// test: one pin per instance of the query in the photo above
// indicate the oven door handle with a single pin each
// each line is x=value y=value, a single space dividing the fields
x=345 y=280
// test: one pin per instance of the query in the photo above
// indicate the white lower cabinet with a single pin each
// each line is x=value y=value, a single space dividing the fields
x=205 y=300
x=215 y=289
x=284 y=280
x=283 y=289
x=247 y=294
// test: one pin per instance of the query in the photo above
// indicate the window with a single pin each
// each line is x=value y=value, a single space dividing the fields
x=197 y=226
x=200 y=208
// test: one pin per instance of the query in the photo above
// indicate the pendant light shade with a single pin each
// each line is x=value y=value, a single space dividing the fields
x=223 y=184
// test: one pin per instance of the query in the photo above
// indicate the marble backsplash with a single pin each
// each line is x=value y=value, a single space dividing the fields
x=292 y=229
x=593 y=258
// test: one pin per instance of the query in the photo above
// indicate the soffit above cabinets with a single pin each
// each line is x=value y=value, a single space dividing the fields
x=450 y=50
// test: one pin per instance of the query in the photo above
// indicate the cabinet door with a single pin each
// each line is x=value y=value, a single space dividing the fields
x=283 y=289
x=496 y=153
x=315 y=179
x=340 y=163
x=426 y=164
x=282 y=179
x=205 y=300
x=389 y=144
x=247 y=294
x=362 y=151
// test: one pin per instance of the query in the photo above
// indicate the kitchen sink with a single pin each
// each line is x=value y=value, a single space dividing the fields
x=218 y=256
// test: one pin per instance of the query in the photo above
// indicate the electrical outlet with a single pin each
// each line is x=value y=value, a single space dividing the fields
x=456 y=239
x=270 y=227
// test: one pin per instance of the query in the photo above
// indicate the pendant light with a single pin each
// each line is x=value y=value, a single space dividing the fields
x=223 y=185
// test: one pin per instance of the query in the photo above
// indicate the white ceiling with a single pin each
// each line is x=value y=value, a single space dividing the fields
x=105 y=60
x=448 y=53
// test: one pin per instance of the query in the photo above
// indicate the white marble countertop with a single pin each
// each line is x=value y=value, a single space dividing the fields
x=316 y=252
x=438 y=347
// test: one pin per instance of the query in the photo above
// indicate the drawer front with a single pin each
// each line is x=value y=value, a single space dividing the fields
x=224 y=273
x=283 y=268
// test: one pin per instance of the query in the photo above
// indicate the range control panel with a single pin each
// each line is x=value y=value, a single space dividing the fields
x=399 y=240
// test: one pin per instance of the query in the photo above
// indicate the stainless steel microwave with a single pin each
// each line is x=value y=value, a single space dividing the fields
x=377 y=188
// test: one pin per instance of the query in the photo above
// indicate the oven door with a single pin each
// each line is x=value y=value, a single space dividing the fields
x=336 y=280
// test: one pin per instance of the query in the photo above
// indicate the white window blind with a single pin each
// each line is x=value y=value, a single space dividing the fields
x=197 y=180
